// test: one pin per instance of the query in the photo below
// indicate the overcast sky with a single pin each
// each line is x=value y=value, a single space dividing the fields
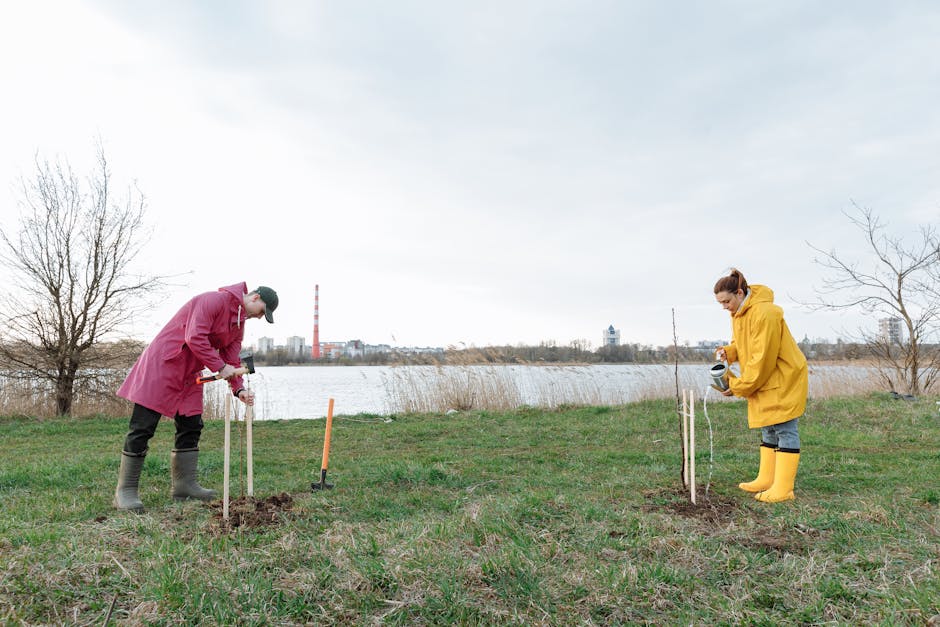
x=487 y=172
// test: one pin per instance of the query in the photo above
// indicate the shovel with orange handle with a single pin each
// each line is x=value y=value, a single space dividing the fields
x=323 y=485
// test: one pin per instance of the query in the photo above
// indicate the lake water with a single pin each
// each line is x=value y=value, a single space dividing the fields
x=304 y=391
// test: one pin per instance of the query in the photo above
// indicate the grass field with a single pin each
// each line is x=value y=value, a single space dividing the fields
x=526 y=517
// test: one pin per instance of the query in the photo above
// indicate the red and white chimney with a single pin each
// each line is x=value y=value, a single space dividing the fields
x=315 y=348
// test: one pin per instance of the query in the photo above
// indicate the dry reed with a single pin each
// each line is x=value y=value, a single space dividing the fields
x=437 y=389
x=830 y=381
x=429 y=389
x=93 y=396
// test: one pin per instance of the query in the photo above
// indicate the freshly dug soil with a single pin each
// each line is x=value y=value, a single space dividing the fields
x=247 y=512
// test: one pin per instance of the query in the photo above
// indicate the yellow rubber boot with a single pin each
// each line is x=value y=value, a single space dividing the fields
x=765 y=474
x=784 y=477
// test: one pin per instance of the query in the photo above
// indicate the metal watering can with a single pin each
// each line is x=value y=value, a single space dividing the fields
x=719 y=374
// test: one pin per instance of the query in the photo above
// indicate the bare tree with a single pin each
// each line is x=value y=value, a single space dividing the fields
x=899 y=282
x=70 y=283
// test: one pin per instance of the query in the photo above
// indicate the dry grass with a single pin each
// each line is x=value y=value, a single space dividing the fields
x=417 y=389
x=430 y=389
x=421 y=389
x=832 y=381
x=439 y=388
x=93 y=397
x=213 y=401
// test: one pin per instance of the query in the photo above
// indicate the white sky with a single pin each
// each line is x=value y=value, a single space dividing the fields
x=487 y=172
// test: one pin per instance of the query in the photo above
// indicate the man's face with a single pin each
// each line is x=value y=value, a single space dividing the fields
x=730 y=301
x=254 y=306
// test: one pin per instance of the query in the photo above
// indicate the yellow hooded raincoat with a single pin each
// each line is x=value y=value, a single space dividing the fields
x=774 y=378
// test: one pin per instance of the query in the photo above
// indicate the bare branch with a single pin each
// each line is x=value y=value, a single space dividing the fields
x=71 y=280
x=899 y=281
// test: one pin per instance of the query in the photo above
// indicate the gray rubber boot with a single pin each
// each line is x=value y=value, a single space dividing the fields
x=126 y=495
x=183 y=464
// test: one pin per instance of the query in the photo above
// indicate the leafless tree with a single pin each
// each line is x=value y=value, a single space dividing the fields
x=70 y=286
x=899 y=281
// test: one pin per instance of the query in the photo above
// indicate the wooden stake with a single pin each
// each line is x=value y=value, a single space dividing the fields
x=692 y=446
x=249 y=419
x=685 y=440
x=226 y=455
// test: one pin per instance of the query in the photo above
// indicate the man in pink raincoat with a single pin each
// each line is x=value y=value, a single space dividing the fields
x=206 y=332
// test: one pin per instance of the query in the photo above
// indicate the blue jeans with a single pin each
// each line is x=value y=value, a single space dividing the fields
x=783 y=437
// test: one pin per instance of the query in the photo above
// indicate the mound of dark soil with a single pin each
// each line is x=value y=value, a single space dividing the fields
x=709 y=508
x=247 y=512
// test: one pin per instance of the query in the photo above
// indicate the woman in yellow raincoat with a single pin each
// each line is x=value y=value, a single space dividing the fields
x=774 y=380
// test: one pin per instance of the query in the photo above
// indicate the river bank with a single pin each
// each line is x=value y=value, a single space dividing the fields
x=304 y=391
x=384 y=390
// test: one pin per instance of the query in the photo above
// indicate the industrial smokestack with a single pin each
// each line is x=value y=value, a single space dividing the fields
x=315 y=349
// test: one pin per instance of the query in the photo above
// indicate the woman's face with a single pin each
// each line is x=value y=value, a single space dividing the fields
x=730 y=301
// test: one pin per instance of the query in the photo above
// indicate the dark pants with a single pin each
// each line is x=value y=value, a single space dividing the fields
x=144 y=424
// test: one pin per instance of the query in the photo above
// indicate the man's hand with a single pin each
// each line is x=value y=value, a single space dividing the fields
x=720 y=354
x=247 y=397
x=227 y=372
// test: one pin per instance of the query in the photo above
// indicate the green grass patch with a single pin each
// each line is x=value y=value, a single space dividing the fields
x=570 y=516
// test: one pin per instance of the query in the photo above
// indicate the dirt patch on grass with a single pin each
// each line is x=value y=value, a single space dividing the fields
x=785 y=543
x=796 y=539
x=709 y=508
x=716 y=511
x=248 y=512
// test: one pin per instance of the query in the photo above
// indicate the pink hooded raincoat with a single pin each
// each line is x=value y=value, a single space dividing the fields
x=206 y=332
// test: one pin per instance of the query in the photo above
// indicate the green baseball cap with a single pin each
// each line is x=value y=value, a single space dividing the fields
x=269 y=297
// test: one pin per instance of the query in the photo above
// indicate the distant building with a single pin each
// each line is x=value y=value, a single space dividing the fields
x=890 y=330
x=265 y=345
x=708 y=347
x=332 y=350
x=611 y=337
x=295 y=345
x=372 y=349
x=355 y=349
x=806 y=346
x=419 y=350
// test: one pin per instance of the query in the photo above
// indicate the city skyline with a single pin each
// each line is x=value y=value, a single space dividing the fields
x=285 y=342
